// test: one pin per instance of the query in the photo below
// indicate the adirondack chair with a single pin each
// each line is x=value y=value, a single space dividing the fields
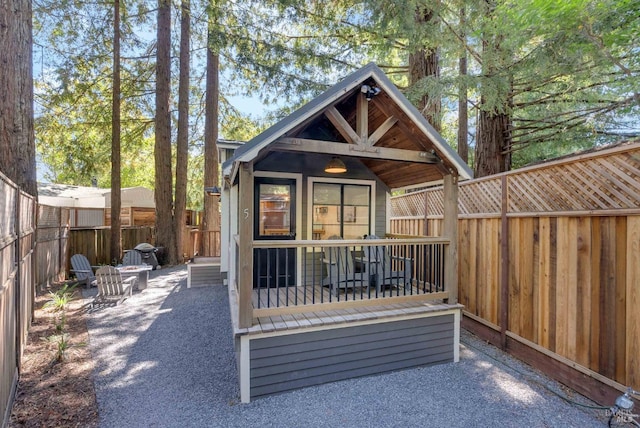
x=382 y=269
x=341 y=272
x=132 y=258
x=111 y=286
x=83 y=270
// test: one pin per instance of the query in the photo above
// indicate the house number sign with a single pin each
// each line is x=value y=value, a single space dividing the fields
x=246 y=213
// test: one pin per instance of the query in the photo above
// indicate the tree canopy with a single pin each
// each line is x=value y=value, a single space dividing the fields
x=557 y=75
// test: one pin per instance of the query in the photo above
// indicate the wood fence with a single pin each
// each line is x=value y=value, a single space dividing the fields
x=52 y=235
x=17 y=242
x=565 y=281
x=94 y=242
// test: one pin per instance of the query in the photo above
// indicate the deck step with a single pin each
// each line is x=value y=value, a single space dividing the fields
x=203 y=274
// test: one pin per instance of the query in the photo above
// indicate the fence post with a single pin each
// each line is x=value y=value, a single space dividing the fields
x=450 y=231
x=504 y=263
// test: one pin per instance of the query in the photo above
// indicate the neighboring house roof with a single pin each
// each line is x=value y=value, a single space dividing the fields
x=339 y=92
x=67 y=195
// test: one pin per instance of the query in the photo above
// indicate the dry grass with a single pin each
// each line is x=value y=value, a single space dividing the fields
x=55 y=393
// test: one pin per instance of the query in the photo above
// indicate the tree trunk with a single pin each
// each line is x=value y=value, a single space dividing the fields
x=17 y=143
x=211 y=221
x=492 y=149
x=425 y=63
x=182 y=153
x=116 y=241
x=463 y=113
x=493 y=138
x=165 y=236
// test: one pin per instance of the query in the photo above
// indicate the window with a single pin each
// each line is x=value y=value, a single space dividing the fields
x=341 y=209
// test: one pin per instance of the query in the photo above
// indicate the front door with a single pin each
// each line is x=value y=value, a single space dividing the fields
x=275 y=210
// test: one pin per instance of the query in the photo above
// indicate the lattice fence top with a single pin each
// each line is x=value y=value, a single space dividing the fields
x=482 y=196
x=599 y=181
x=408 y=205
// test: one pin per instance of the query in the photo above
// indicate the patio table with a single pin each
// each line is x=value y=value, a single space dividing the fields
x=140 y=271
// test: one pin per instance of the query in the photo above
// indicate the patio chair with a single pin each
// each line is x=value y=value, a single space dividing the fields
x=341 y=272
x=83 y=270
x=111 y=286
x=132 y=258
x=386 y=269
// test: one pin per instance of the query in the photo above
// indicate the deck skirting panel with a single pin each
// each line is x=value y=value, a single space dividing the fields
x=202 y=274
x=279 y=363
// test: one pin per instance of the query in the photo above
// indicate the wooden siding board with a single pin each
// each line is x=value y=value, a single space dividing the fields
x=358 y=332
x=624 y=257
x=347 y=357
x=437 y=358
x=583 y=291
x=318 y=348
x=544 y=275
x=309 y=358
x=595 y=309
x=632 y=348
x=607 y=299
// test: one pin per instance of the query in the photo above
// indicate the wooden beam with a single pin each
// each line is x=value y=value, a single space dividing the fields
x=390 y=109
x=342 y=125
x=362 y=118
x=382 y=129
x=244 y=255
x=450 y=231
x=330 y=147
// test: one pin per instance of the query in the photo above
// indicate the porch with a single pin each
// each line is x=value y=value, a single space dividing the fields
x=304 y=332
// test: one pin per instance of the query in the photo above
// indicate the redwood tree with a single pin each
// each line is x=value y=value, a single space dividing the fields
x=182 y=153
x=116 y=244
x=423 y=63
x=165 y=236
x=211 y=209
x=17 y=146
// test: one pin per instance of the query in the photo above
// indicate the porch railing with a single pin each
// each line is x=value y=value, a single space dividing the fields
x=295 y=276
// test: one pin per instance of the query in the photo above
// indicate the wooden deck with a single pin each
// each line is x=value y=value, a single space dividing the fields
x=340 y=316
x=377 y=309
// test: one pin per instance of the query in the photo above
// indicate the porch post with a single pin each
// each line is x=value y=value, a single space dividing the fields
x=244 y=257
x=450 y=231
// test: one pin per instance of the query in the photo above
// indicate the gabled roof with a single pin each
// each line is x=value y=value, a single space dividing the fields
x=412 y=131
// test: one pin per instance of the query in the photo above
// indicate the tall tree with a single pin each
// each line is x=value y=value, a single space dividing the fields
x=182 y=152
x=165 y=236
x=116 y=242
x=424 y=64
x=463 y=115
x=17 y=148
x=211 y=220
x=494 y=123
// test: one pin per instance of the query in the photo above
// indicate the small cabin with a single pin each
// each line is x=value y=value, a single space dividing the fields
x=91 y=206
x=319 y=289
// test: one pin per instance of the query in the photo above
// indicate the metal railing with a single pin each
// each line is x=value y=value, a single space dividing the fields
x=296 y=273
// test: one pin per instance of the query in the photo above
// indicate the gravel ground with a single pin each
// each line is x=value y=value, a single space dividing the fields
x=165 y=358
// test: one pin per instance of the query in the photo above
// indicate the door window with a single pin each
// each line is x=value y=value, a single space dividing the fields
x=275 y=209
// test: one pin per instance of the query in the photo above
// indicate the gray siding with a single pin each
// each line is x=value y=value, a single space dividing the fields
x=201 y=275
x=282 y=363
